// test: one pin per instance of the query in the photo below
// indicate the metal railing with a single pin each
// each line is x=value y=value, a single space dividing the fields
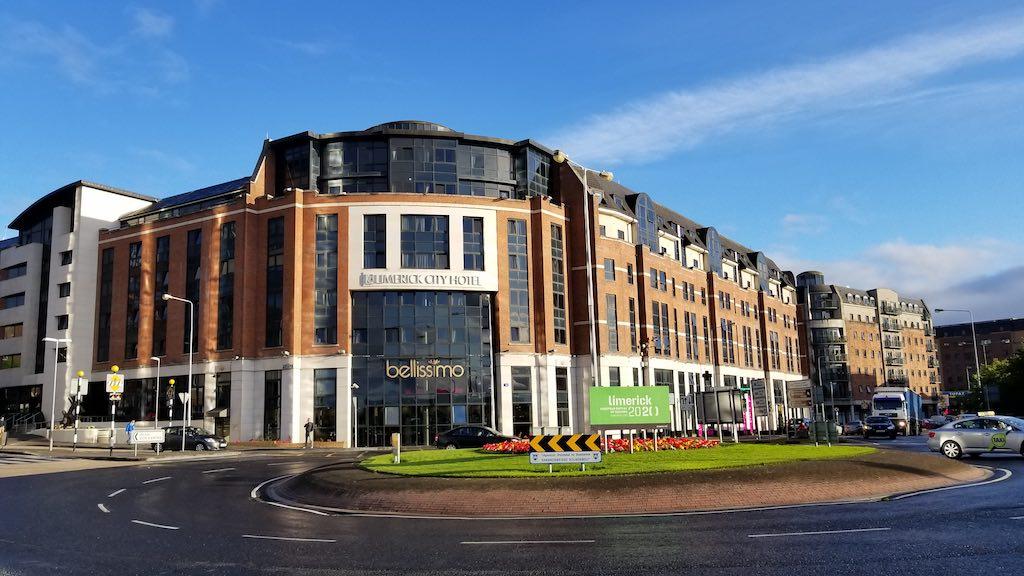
x=894 y=360
x=891 y=326
x=889 y=308
x=829 y=339
x=892 y=343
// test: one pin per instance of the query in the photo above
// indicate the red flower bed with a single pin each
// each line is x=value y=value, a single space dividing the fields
x=619 y=445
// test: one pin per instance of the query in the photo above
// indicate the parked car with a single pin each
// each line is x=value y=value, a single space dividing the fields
x=469 y=437
x=978 y=435
x=878 y=426
x=798 y=427
x=195 y=439
x=853 y=427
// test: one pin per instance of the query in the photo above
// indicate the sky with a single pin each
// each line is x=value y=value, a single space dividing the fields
x=881 y=143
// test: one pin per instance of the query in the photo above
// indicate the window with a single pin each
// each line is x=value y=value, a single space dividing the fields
x=614 y=376
x=609 y=269
x=473 y=243
x=518 y=282
x=611 y=315
x=14 y=271
x=424 y=165
x=424 y=242
x=375 y=240
x=193 y=287
x=62 y=354
x=325 y=403
x=226 y=287
x=603 y=230
x=62 y=322
x=12 y=301
x=106 y=295
x=558 y=284
x=522 y=401
x=222 y=390
x=64 y=288
x=629 y=273
x=532 y=173
x=275 y=282
x=160 y=287
x=10 y=361
x=131 y=331
x=562 y=395
x=10 y=331
x=654 y=278
x=662 y=283
x=272 y=405
x=660 y=328
x=632 y=325
x=65 y=258
x=325 y=305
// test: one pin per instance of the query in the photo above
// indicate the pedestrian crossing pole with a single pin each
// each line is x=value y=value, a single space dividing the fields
x=78 y=407
x=113 y=404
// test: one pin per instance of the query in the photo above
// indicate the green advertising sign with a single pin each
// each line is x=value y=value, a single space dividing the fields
x=630 y=405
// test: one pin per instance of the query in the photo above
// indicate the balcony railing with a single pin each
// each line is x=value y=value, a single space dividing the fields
x=933 y=363
x=889 y=308
x=929 y=331
x=929 y=346
x=890 y=326
x=835 y=358
x=826 y=303
x=834 y=374
x=829 y=338
x=892 y=343
x=897 y=381
x=894 y=361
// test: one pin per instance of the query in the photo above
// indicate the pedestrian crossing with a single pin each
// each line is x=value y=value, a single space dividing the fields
x=19 y=459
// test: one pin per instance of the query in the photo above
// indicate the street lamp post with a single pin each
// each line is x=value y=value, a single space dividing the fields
x=355 y=416
x=53 y=399
x=974 y=338
x=186 y=418
x=156 y=400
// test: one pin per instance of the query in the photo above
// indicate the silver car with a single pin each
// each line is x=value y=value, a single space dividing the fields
x=978 y=435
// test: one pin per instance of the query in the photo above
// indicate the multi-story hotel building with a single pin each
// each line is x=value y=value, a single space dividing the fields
x=409 y=278
x=860 y=340
x=997 y=339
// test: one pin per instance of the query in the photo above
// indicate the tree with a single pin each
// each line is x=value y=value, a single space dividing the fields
x=1006 y=379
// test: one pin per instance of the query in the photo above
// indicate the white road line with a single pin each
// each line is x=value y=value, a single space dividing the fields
x=329 y=455
x=217 y=470
x=499 y=542
x=255 y=492
x=155 y=525
x=282 y=463
x=115 y=493
x=161 y=479
x=287 y=539
x=818 y=532
x=1016 y=517
x=103 y=508
x=1006 y=475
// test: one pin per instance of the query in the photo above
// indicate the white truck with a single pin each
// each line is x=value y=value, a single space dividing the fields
x=901 y=405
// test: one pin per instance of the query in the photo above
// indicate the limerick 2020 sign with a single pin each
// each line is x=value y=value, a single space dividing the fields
x=630 y=405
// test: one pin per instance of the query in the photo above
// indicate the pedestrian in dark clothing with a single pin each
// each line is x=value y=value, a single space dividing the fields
x=309 y=433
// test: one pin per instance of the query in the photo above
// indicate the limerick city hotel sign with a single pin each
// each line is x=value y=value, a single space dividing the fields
x=370 y=280
x=429 y=369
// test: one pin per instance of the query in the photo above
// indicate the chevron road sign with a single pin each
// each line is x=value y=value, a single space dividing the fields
x=565 y=449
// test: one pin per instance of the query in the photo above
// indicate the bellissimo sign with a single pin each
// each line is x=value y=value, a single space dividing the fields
x=433 y=279
x=430 y=369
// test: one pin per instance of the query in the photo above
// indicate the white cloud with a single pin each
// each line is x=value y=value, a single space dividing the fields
x=165 y=159
x=151 y=24
x=984 y=275
x=794 y=224
x=75 y=56
x=654 y=127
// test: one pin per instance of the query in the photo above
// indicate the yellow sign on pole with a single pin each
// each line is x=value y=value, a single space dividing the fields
x=115 y=383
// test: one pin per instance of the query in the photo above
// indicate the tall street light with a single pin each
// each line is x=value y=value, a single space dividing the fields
x=355 y=416
x=187 y=417
x=974 y=337
x=53 y=400
x=156 y=399
x=560 y=158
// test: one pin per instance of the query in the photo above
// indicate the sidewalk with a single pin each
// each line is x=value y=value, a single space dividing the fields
x=347 y=488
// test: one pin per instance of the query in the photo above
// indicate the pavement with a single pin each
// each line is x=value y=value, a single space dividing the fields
x=192 y=517
x=347 y=488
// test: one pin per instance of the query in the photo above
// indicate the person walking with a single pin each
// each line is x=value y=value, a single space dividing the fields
x=309 y=433
x=129 y=429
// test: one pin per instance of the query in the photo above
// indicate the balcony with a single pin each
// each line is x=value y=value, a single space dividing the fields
x=893 y=360
x=933 y=363
x=929 y=331
x=829 y=338
x=834 y=374
x=897 y=381
x=835 y=358
x=890 y=326
x=889 y=308
x=928 y=346
x=829 y=302
x=892 y=343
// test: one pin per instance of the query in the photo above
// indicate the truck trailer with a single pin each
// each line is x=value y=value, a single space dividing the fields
x=901 y=405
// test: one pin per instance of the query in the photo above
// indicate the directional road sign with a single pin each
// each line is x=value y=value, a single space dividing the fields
x=798 y=393
x=759 y=392
x=566 y=443
x=143 y=436
x=564 y=457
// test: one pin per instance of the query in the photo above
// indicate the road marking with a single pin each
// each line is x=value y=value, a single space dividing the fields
x=818 y=532
x=255 y=492
x=115 y=493
x=499 y=542
x=287 y=539
x=155 y=525
x=329 y=455
x=161 y=479
x=1016 y=517
x=217 y=470
x=103 y=508
x=1006 y=475
x=282 y=463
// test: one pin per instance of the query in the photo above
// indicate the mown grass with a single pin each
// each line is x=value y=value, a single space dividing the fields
x=473 y=463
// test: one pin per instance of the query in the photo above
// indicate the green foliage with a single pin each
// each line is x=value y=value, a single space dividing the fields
x=469 y=462
x=1007 y=377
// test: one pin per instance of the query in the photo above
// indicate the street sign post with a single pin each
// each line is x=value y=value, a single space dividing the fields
x=579 y=449
x=155 y=436
x=759 y=394
x=115 y=386
x=79 y=388
x=115 y=383
x=798 y=393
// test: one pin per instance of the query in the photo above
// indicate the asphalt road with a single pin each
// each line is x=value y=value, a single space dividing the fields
x=198 y=517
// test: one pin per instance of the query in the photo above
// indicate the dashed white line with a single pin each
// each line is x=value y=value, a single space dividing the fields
x=817 y=532
x=217 y=470
x=103 y=508
x=164 y=526
x=1016 y=517
x=287 y=539
x=115 y=493
x=500 y=542
x=161 y=479
x=282 y=463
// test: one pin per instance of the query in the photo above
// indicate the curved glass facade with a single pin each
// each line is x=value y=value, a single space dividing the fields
x=422 y=361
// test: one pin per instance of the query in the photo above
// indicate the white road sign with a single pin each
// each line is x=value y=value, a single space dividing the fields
x=759 y=393
x=183 y=396
x=79 y=387
x=798 y=393
x=145 y=436
x=115 y=383
x=564 y=457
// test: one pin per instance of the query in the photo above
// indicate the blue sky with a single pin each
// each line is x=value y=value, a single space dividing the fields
x=878 y=142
